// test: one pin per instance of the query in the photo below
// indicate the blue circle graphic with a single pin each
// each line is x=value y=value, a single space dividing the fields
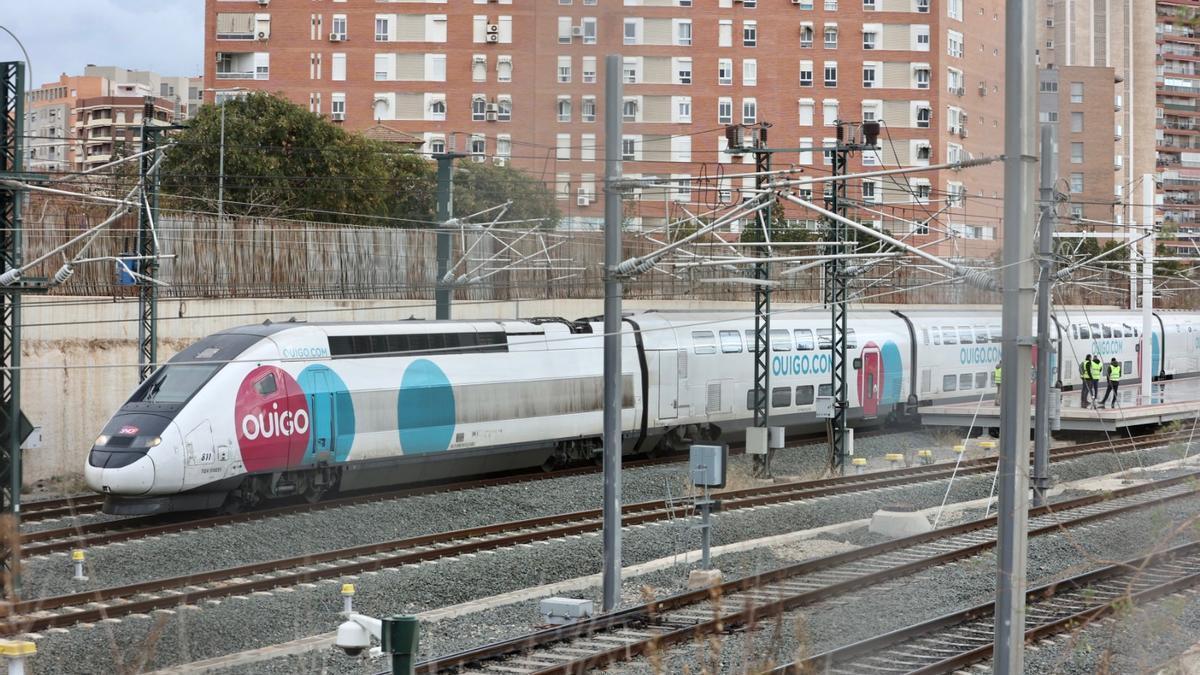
x=425 y=409
x=893 y=373
x=1154 y=355
x=330 y=413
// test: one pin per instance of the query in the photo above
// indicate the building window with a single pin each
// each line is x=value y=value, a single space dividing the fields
x=629 y=71
x=629 y=110
x=504 y=108
x=381 y=29
x=954 y=44
x=725 y=33
x=923 y=6
x=629 y=148
x=478 y=108
x=922 y=78
x=683 y=110
x=870 y=39
x=437 y=146
x=683 y=70
x=683 y=33
x=868 y=191
x=588 y=76
x=478 y=146
x=1076 y=92
x=504 y=69
x=564 y=69
x=724 y=111
x=725 y=72
x=806 y=36
x=338 y=27
x=923 y=117
x=1076 y=122
x=749 y=33
x=587 y=112
x=869 y=5
x=589 y=30
x=806 y=74
x=830 y=73
x=479 y=68
x=564 y=109
x=337 y=106
x=1048 y=86
x=869 y=81
x=749 y=72
x=631 y=32
x=1077 y=153
x=749 y=111
x=831 y=37
x=1076 y=183
x=829 y=112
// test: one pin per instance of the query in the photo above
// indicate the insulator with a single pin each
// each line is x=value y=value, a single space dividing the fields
x=63 y=273
x=977 y=278
x=10 y=277
x=627 y=267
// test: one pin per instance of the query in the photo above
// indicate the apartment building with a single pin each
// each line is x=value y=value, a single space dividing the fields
x=1096 y=85
x=63 y=118
x=522 y=82
x=1178 y=114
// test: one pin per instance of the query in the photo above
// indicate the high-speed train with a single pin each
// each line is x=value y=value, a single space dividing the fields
x=266 y=411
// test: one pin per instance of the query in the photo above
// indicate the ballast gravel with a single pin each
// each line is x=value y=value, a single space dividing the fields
x=235 y=625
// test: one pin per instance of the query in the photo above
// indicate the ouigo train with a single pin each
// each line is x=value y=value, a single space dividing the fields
x=281 y=409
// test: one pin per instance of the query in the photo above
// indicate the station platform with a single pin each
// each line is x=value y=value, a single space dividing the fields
x=1169 y=401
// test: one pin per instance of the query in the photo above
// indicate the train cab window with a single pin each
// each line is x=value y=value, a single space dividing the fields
x=1084 y=333
x=965 y=337
x=781 y=341
x=704 y=342
x=266 y=386
x=964 y=381
x=804 y=340
x=949 y=382
x=731 y=341
x=804 y=395
x=1106 y=330
x=851 y=339
x=825 y=390
x=824 y=338
x=948 y=336
x=981 y=335
x=781 y=397
x=981 y=380
x=994 y=329
x=937 y=335
x=173 y=384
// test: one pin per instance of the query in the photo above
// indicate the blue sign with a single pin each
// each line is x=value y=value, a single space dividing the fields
x=800 y=364
x=977 y=355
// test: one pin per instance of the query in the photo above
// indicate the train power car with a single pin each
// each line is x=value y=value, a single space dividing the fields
x=282 y=409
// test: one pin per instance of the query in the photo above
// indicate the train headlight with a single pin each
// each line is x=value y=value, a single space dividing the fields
x=154 y=442
x=102 y=439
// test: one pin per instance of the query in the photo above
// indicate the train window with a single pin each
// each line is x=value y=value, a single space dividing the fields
x=994 y=329
x=1084 y=333
x=965 y=337
x=937 y=335
x=981 y=335
x=361 y=344
x=781 y=341
x=1074 y=332
x=964 y=381
x=704 y=342
x=444 y=343
x=493 y=342
x=750 y=340
x=948 y=336
x=981 y=380
x=925 y=336
x=1095 y=331
x=824 y=338
x=173 y=384
x=781 y=397
x=851 y=339
x=437 y=342
x=825 y=390
x=749 y=399
x=1126 y=368
x=949 y=382
x=804 y=395
x=1117 y=332
x=379 y=344
x=1106 y=330
x=731 y=341
x=266 y=385
x=804 y=340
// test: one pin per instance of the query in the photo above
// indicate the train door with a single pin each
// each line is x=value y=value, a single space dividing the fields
x=199 y=455
x=322 y=420
x=668 y=385
x=868 y=380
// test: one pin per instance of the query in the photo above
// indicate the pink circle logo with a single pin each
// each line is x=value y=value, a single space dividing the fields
x=272 y=419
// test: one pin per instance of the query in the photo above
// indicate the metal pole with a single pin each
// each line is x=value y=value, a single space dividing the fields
x=147 y=291
x=762 y=304
x=1148 y=338
x=836 y=293
x=221 y=170
x=613 y=92
x=1012 y=540
x=1046 y=392
x=445 y=211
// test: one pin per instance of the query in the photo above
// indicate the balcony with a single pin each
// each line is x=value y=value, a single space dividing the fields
x=240 y=66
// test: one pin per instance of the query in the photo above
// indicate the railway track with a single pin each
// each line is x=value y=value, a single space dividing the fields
x=649 y=629
x=961 y=639
x=48 y=541
x=63 y=610
x=62 y=507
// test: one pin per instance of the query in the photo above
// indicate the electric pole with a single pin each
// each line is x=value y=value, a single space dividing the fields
x=147 y=248
x=762 y=304
x=613 y=382
x=1047 y=392
x=443 y=287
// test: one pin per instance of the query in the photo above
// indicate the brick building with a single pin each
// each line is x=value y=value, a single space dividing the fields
x=1178 y=114
x=522 y=81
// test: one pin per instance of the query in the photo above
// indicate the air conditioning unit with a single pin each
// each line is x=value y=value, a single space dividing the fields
x=583 y=200
x=576 y=31
x=263 y=3
x=963 y=132
x=797 y=2
x=337 y=37
x=493 y=37
x=499 y=161
x=263 y=35
x=337 y=116
x=960 y=91
x=493 y=108
x=491 y=116
x=983 y=90
x=493 y=28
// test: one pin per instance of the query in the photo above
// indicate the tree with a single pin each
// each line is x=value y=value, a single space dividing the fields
x=481 y=185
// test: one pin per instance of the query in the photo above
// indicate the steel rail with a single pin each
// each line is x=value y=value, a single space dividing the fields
x=654 y=616
x=1057 y=601
x=32 y=615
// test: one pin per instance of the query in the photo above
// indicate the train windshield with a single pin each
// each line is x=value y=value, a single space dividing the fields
x=174 y=384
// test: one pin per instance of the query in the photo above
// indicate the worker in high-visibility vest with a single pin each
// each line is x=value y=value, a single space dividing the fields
x=1085 y=387
x=996 y=381
x=1094 y=369
x=1114 y=381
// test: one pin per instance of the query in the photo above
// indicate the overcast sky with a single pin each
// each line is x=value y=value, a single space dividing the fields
x=63 y=36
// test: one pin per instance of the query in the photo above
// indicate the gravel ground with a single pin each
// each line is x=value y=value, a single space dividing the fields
x=286 y=536
x=284 y=616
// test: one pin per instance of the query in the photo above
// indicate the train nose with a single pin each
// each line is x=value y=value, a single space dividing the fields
x=128 y=466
